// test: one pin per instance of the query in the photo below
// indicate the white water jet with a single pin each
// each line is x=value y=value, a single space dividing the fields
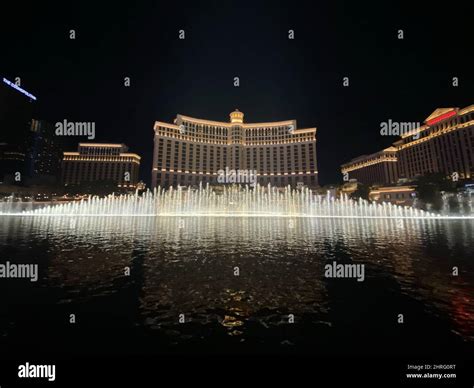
x=233 y=201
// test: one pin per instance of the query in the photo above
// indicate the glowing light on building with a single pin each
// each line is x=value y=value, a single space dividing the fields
x=16 y=87
x=441 y=118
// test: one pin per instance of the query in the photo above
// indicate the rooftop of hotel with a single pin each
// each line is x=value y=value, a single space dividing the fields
x=236 y=118
x=371 y=156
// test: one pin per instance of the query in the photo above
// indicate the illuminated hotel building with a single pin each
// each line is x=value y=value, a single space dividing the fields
x=380 y=167
x=443 y=144
x=191 y=151
x=101 y=162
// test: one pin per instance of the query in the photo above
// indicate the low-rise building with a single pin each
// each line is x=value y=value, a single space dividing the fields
x=397 y=195
x=95 y=162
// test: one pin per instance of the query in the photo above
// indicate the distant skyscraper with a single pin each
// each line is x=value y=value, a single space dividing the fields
x=44 y=153
x=17 y=108
x=96 y=162
x=191 y=151
x=12 y=161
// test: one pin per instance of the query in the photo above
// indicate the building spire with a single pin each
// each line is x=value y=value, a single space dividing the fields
x=237 y=117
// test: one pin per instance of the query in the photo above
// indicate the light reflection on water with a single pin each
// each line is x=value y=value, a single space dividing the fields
x=186 y=266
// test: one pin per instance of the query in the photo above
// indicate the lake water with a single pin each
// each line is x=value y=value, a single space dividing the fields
x=236 y=283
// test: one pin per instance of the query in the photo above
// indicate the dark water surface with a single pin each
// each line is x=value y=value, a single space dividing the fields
x=187 y=266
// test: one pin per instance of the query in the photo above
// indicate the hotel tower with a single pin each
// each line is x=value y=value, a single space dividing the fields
x=443 y=144
x=191 y=151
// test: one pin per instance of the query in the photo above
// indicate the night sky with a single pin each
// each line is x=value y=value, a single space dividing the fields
x=83 y=79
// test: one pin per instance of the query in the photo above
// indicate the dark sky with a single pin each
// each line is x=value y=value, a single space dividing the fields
x=82 y=79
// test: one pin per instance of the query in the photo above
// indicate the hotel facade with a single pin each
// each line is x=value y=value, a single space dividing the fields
x=378 y=167
x=443 y=144
x=191 y=151
x=101 y=162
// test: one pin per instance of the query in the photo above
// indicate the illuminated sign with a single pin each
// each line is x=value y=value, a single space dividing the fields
x=442 y=117
x=14 y=86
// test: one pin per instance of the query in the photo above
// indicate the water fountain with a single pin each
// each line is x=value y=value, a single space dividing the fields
x=233 y=201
